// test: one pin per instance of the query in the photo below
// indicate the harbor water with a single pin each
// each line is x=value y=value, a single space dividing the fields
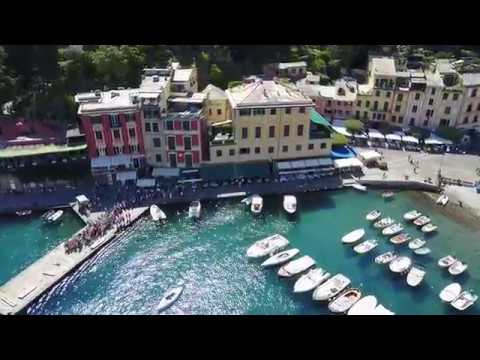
x=130 y=275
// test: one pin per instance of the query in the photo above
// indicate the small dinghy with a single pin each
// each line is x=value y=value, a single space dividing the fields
x=156 y=213
x=345 y=301
x=194 y=209
x=446 y=261
x=373 y=215
x=400 y=239
x=383 y=223
x=450 y=292
x=442 y=200
x=393 y=229
x=416 y=244
x=310 y=280
x=415 y=275
x=257 y=204
x=331 y=287
x=388 y=195
x=247 y=201
x=385 y=258
x=464 y=300
x=55 y=217
x=169 y=298
x=412 y=215
x=23 y=212
x=280 y=258
x=428 y=228
x=457 y=268
x=359 y=187
x=267 y=246
x=422 y=220
x=295 y=267
x=364 y=306
x=365 y=246
x=400 y=264
x=422 y=251
x=290 y=204
x=353 y=236
x=47 y=215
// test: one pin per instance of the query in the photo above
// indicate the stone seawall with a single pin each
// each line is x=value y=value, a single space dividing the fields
x=400 y=185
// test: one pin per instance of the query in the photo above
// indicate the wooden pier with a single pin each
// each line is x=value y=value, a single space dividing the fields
x=19 y=292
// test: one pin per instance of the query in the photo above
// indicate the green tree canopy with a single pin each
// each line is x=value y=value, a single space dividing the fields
x=339 y=139
x=354 y=125
x=450 y=133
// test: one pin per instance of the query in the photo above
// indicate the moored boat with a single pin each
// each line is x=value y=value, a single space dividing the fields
x=457 y=268
x=400 y=264
x=385 y=258
x=156 y=213
x=416 y=244
x=415 y=275
x=345 y=301
x=422 y=220
x=400 y=239
x=381 y=310
x=295 y=267
x=195 y=209
x=257 y=204
x=450 y=292
x=56 y=216
x=364 y=306
x=310 y=280
x=412 y=215
x=428 y=228
x=169 y=298
x=280 y=258
x=393 y=229
x=365 y=246
x=359 y=187
x=331 y=287
x=373 y=215
x=446 y=261
x=388 y=195
x=353 y=236
x=267 y=246
x=290 y=204
x=47 y=215
x=442 y=200
x=25 y=212
x=422 y=251
x=383 y=223
x=464 y=300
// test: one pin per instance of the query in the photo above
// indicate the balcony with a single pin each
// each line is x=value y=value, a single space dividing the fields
x=222 y=139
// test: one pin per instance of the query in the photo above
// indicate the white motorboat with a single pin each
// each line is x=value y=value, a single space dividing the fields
x=345 y=301
x=388 y=194
x=393 y=229
x=295 y=267
x=257 y=204
x=446 y=261
x=156 y=213
x=400 y=264
x=310 y=280
x=442 y=200
x=25 y=212
x=422 y=220
x=280 y=258
x=47 y=215
x=247 y=201
x=290 y=204
x=359 y=187
x=457 y=268
x=267 y=246
x=169 y=298
x=381 y=310
x=331 y=287
x=364 y=306
x=464 y=300
x=428 y=228
x=416 y=244
x=56 y=216
x=373 y=215
x=353 y=236
x=412 y=215
x=383 y=223
x=400 y=239
x=385 y=258
x=422 y=251
x=415 y=276
x=195 y=209
x=365 y=246
x=450 y=292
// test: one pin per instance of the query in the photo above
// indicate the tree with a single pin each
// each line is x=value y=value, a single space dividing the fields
x=452 y=134
x=7 y=82
x=354 y=125
x=318 y=65
x=339 y=139
x=216 y=76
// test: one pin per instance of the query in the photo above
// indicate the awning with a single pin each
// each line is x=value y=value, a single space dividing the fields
x=437 y=140
x=126 y=175
x=318 y=119
x=345 y=163
x=165 y=172
x=373 y=134
x=146 y=182
x=370 y=155
x=231 y=171
x=410 y=139
x=304 y=164
x=341 y=130
x=360 y=136
x=111 y=161
x=393 y=137
x=222 y=123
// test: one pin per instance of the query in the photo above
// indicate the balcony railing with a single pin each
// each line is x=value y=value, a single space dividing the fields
x=222 y=139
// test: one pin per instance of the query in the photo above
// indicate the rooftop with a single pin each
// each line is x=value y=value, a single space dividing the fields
x=108 y=100
x=17 y=151
x=214 y=93
x=383 y=66
x=445 y=66
x=471 y=79
x=266 y=93
x=182 y=75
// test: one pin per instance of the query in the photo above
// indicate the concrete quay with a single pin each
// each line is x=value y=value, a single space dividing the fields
x=19 y=292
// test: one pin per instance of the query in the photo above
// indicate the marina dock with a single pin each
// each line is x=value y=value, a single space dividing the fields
x=18 y=293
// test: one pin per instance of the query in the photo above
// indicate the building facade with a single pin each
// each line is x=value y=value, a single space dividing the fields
x=216 y=104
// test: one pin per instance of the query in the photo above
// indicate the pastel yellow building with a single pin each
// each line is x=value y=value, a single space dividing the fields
x=216 y=104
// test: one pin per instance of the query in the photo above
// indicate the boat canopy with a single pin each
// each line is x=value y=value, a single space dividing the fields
x=346 y=163
x=165 y=172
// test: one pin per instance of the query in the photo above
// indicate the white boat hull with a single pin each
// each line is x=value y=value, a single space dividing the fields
x=331 y=287
x=267 y=246
x=415 y=276
x=280 y=258
x=310 y=280
x=450 y=292
x=170 y=297
x=296 y=267
x=353 y=236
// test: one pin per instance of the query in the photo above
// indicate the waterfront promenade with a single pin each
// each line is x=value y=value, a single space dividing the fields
x=32 y=282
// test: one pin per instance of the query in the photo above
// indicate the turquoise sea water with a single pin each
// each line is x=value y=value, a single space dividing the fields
x=131 y=274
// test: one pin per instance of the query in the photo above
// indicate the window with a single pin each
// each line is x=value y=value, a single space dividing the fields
x=359 y=103
x=98 y=135
x=414 y=108
x=187 y=143
x=475 y=118
x=288 y=110
x=170 y=125
x=394 y=118
x=298 y=147
x=210 y=112
x=273 y=111
x=271 y=131
x=96 y=119
x=231 y=152
x=158 y=158
x=383 y=117
x=301 y=110
x=258 y=111
x=374 y=116
x=377 y=93
x=375 y=106
x=385 y=106
x=447 y=110
x=257 y=150
x=400 y=119
x=286 y=130
x=400 y=97
x=339 y=103
x=465 y=119
x=430 y=102
x=245 y=112
x=219 y=153
x=455 y=97
x=388 y=94
x=323 y=145
x=412 y=121
x=131 y=132
x=357 y=114
x=147 y=127
x=474 y=93
x=285 y=148
x=186 y=125
x=397 y=108
x=258 y=132
x=367 y=104
x=156 y=142
x=329 y=103
x=365 y=114
x=116 y=134
x=469 y=108
x=425 y=122
x=347 y=112
x=445 y=96
x=155 y=127
x=271 y=149
x=478 y=107
x=219 y=111
x=244 y=133
x=417 y=96
x=171 y=143
x=114 y=121
x=433 y=91
x=244 y=151
x=300 y=130
x=310 y=146
x=116 y=150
